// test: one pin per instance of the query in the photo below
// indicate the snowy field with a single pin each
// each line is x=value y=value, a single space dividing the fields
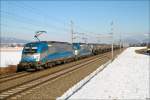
x=127 y=77
x=10 y=56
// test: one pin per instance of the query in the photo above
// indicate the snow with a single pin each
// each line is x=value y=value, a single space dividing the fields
x=127 y=77
x=10 y=57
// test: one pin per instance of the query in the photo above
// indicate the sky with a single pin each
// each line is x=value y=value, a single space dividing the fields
x=21 y=19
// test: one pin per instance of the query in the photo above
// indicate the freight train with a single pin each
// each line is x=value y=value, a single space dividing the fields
x=45 y=54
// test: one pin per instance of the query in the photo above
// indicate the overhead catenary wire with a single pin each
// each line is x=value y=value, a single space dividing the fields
x=38 y=12
x=30 y=21
x=84 y=35
x=16 y=26
x=19 y=19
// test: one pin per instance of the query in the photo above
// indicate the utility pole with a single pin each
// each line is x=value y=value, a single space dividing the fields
x=72 y=37
x=120 y=42
x=147 y=35
x=112 y=48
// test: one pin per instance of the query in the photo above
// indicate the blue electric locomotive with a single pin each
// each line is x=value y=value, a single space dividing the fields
x=43 y=54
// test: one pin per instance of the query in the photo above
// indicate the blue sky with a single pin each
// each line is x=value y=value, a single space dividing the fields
x=21 y=19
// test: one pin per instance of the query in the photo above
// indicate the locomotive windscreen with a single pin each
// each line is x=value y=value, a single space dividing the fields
x=28 y=50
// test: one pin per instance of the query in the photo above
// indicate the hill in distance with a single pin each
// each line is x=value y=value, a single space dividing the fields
x=12 y=40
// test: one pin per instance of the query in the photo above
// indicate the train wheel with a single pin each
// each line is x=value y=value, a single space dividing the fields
x=39 y=68
x=19 y=68
x=45 y=66
x=49 y=65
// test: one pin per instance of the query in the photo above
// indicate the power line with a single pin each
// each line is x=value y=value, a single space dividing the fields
x=16 y=26
x=19 y=18
x=30 y=21
x=37 y=12
x=20 y=27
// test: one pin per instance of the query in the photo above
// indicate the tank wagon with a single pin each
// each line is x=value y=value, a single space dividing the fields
x=45 y=54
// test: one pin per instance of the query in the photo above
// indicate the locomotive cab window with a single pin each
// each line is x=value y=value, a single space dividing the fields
x=30 y=50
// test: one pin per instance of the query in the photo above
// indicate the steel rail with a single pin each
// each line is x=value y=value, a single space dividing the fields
x=13 y=91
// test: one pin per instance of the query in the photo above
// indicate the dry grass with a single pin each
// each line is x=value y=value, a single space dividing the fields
x=9 y=69
x=54 y=89
x=142 y=51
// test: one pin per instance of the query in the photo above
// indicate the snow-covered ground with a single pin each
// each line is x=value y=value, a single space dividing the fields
x=10 y=57
x=127 y=77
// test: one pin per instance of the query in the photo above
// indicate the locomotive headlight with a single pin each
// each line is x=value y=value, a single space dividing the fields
x=76 y=52
x=37 y=57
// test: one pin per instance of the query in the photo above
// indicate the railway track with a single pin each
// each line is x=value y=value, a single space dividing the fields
x=17 y=89
x=19 y=74
x=13 y=76
x=21 y=85
x=18 y=79
x=6 y=75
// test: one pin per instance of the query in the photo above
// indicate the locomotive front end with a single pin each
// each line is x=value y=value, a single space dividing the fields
x=32 y=55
